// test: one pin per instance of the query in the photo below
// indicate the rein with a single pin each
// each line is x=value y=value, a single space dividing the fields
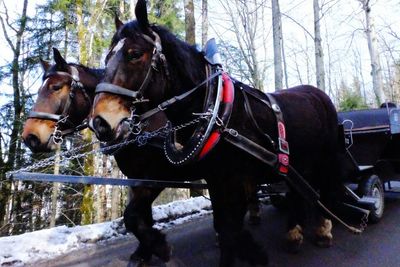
x=63 y=118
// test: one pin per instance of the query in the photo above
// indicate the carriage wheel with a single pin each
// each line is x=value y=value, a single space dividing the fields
x=278 y=201
x=372 y=187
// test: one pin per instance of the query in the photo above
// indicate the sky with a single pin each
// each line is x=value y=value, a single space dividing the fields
x=342 y=30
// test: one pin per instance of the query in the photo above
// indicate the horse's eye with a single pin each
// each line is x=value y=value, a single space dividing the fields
x=133 y=55
x=55 y=87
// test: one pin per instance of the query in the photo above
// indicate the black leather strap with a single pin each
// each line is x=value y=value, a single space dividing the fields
x=293 y=178
x=44 y=116
x=115 y=89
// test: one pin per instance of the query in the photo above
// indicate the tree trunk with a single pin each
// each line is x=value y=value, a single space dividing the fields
x=319 y=55
x=277 y=37
x=376 y=71
x=81 y=31
x=54 y=193
x=204 y=22
x=189 y=22
x=16 y=125
x=115 y=193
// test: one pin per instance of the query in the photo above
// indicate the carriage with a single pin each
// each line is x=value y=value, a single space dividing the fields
x=371 y=145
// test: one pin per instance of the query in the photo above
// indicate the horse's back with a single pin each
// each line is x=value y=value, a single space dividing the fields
x=311 y=123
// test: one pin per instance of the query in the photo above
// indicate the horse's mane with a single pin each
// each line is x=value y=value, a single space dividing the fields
x=98 y=73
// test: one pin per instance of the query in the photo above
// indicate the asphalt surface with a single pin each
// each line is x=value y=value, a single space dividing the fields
x=194 y=245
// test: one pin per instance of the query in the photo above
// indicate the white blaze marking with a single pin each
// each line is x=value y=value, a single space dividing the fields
x=119 y=46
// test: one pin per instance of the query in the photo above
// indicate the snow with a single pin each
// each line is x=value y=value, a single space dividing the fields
x=50 y=243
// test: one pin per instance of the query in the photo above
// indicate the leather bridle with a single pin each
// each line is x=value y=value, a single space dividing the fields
x=63 y=118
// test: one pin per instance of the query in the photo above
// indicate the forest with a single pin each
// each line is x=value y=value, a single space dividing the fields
x=349 y=49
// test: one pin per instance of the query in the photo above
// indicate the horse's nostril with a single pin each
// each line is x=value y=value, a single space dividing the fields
x=32 y=141
x=102 y=129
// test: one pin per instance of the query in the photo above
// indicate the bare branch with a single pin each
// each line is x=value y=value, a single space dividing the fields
x=5 y=33
x=298 y=24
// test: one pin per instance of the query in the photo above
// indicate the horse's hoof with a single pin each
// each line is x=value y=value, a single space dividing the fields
x=175 y=262
x=137 y=263
x=323 y=241
x=254 y=220
x=140 y=254
x=164 y=252
x=294 y=239
x=217 y=240
x=138 y=257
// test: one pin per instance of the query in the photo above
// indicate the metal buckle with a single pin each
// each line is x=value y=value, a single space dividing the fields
x=283 y=146
x=62 y=120
x=276 y=108
x=233 y=132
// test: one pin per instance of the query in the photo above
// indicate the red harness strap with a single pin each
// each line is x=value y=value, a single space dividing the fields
x=228 y=95
x=283 y=154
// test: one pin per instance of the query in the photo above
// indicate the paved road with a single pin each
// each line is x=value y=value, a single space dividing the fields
x=378 y=246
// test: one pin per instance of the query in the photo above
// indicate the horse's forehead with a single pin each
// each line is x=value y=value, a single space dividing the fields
x=119 y=45
x=45 y=83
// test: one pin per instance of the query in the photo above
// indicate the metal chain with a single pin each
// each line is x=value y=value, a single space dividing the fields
x=364 y=222
x=51 y=160
x=70 y=154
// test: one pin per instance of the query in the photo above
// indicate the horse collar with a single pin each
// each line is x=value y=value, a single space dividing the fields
x=217 y=111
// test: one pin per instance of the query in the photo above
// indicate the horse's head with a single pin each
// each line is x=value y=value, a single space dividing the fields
x=146 y=65
x=64 y=101
x=135 y=73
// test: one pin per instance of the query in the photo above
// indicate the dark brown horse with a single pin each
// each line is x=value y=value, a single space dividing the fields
x=147 y=65
x=68 y=89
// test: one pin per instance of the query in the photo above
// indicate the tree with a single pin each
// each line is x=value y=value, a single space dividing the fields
x=277 y=37
x=245 y=18
x=376 y=71
x=319 y=55
x=190 y=26
x=204 y=22
x=15 y=44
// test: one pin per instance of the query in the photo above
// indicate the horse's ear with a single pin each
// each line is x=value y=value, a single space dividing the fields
x=141 y=14
x=60 y=61
x=45 y=64
x=118 y=22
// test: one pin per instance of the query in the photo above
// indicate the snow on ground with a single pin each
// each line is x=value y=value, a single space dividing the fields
x=50 y=243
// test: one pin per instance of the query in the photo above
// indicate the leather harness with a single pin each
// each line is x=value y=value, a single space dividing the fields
x=278 y=160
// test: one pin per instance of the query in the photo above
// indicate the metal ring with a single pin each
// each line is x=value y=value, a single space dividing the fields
x=233 y=132
x=57 y=137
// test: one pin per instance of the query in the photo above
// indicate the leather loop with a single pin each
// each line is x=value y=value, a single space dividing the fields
x=44 y=116
x=115 y=89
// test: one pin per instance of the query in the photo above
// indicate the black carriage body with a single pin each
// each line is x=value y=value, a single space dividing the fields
x=372 y=140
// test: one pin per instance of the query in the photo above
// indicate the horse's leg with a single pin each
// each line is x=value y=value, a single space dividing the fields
x=229 y=206
x=253 y=205
x=323 y=232
x=296 y=221
x=138 y=219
